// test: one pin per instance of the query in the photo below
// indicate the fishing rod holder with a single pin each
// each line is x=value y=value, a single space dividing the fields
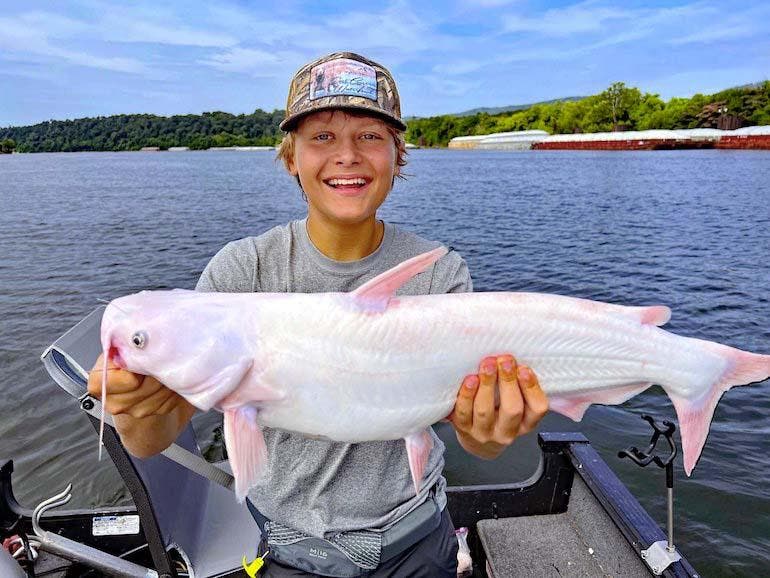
x=660 y=554
x=71 y=550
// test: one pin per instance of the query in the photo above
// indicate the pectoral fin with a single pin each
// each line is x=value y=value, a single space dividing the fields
x=245 y=448
x=418 y=446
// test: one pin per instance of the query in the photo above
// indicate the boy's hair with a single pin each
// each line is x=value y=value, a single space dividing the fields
x=286 y=148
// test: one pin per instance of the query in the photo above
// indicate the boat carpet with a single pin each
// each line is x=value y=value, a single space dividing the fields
x=580 y=542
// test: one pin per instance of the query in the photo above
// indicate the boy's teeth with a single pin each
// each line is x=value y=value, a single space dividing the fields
x=346 y=182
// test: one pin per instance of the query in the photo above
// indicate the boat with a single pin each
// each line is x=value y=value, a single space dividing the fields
x=572 y=517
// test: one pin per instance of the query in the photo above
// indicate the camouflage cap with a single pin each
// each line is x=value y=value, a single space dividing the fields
x=343 y=80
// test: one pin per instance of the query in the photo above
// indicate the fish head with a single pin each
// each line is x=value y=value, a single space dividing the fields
x=192 y=345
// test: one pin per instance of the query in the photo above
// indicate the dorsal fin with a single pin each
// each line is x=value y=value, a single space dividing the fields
x=375 y=294
x=649 y=315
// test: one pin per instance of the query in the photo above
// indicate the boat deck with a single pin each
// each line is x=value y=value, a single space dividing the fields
x=583 y=541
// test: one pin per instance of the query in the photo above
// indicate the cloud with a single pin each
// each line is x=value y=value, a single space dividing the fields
x=396 y=27
x=280 y=43
x=27 y=38
x=576 y=19
x=162 y=33
x=253 y=61
x=487 y=3
x=739 y=22
x=454 y=67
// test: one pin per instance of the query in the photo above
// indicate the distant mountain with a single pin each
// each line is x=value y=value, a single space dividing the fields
x=514 y=107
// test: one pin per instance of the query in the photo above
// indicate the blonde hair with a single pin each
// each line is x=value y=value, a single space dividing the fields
x=286 y=148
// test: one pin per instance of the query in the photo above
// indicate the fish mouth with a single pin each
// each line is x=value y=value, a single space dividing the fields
x=113 y=354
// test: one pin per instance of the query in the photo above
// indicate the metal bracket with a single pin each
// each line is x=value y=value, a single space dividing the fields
x=658 y=557
x=77 y=552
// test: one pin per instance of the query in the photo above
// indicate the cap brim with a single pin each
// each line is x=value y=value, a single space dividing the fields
x=290 y=123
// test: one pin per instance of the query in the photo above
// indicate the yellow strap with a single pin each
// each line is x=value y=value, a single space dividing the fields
x=255 y=565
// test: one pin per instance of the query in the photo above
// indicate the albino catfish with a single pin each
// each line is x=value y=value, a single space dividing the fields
x=367 y=365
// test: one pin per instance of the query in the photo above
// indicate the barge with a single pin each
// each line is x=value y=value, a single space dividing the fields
x=748 y=138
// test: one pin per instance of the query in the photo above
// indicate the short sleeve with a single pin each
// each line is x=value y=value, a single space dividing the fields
x=451 y=275
x=232 y=270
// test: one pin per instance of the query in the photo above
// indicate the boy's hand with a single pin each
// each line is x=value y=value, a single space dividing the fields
x=130 y=393
x=485 y=428
x=148 y=415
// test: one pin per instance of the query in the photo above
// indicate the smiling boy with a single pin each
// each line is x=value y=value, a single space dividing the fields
x=330 y=508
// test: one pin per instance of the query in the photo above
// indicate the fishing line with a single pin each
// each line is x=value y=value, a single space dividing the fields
x=113 y=304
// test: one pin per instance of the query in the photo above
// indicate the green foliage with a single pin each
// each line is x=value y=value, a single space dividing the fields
x=7 y=146
x=132 y=132
x=617 y=108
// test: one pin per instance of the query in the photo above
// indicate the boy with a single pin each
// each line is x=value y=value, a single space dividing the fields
x=345 y=146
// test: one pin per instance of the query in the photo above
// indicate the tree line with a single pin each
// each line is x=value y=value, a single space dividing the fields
x=128 y=132
x=618 y=108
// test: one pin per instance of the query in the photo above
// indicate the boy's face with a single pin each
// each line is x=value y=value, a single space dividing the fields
x=345 y=163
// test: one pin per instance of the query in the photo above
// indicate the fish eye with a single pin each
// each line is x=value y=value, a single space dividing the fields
x=139 y=339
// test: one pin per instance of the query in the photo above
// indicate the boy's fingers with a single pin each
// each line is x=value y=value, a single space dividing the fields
x=484 y=404
x=154 y=404
x=535 y=400
x=462 y=415
x=118 y=381
x=138 y=402
x=511 y=401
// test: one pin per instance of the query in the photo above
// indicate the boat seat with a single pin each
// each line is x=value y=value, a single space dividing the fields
x=583 y=541
x=180 y=510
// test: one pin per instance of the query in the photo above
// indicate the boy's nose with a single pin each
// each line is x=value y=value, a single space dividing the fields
x=347 y=152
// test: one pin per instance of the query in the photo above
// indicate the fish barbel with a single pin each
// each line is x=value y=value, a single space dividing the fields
x=366 y=365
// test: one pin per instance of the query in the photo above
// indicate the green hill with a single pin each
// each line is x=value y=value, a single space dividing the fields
x=515 y=107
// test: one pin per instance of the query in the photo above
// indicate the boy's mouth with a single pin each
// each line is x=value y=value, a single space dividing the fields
x=347 y=184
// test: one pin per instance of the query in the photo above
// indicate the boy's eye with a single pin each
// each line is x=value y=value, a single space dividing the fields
x=324 y=136
x=371 y=136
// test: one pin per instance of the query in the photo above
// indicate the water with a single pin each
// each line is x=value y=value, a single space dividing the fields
x=690 y=229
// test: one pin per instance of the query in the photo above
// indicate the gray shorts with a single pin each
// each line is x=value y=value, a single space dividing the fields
x=435 y=556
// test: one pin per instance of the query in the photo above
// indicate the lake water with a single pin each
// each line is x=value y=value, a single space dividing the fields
x=690 y=229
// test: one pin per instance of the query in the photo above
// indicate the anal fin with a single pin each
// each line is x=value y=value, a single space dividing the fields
x=418 y=446
x=245 y=447
x=574 y=406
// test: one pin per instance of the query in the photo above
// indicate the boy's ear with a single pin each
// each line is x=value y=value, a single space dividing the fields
x=291 y=166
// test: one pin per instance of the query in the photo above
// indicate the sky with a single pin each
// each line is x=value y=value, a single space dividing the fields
x=84 y=58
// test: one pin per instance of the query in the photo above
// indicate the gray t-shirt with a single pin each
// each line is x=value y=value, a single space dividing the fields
x=320 y=486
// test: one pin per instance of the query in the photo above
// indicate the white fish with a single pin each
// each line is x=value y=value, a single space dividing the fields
x=366 y=365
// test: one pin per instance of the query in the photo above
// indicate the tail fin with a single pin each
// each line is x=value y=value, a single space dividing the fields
x=695 y=415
